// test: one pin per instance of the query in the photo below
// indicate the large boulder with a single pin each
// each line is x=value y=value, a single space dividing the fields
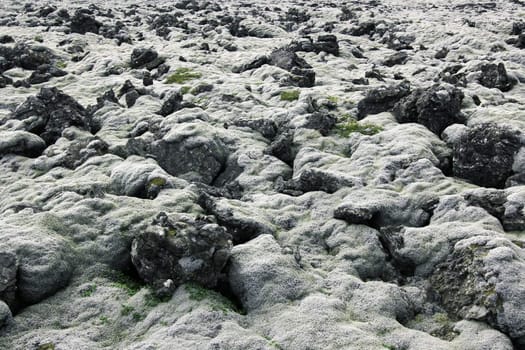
x=484 y=154
x=83 y=22
x=436 y=107
x=483 y=280
x=145 y=57
x=302 y=74
x=24 y=56
x=50 y=112
x=173 y=251
x=495 y=76
x=190 y=152
x=382 y=99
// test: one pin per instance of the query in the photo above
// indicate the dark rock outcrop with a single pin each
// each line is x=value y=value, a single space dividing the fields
x=398 y=58
x=382 y=99
x=191 y=157
x=480 y=281
x=175 y=251
x=322 y=122
x=484 y=155
x=83 y=21
x=495 y=76
x=144 y=57
x=436 y=108
x=8 y=271
x=24 y=56
x=50 y=112
x=44 y=73
x=172 y=104
x=327 y=43
x=265 y=127
x=302 y=74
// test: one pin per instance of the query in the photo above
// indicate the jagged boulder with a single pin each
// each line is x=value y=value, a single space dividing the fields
x=189 y=152
x=302 y=74
x=436 y=107
x=173 y=251
x=50 y=112
x=480 y=280
x=382 y=99
x=484 y=154
x=495 y=76
x=83 y=21
x=145 y=57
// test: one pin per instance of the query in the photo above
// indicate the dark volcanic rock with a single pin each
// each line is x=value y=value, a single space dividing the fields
x=283 y=148
x=436 y=107
x=194 y=158
x=364 y=28
x=495 y=202
x=296 y=15
x=83 y=21
x=517 y=28
x=4 y=81
x=395 y=59
x=382 y=99
x=398 y=41
x=265 y=127
x=327 y=43
x=256 y=63
x=101 y=101
x=147 y=79
x=322 y=122
x=5 y=39
x=131 y=97
x=172 y=252
x=356 y=215
x=520 y=43
x=319 y=180
x=442 y=53
x=287 y=60
x=485 y=153
x=172 y=104
x=50 y=112
x=480 y=280
x=117 y=32
x=495 y=76
x=44 y=73
x=24 y=56
x=302 y=74
x=452 y=75
x=142 y=56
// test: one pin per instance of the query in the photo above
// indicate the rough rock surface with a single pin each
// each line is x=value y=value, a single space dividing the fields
x=258 y=175
x=436 y=108
x=485 y=154
x=50 y=112
x=174 y=252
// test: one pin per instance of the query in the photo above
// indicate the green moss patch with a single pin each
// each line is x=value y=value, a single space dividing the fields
x=182 y=75
x=350 y=126
x=290 y=95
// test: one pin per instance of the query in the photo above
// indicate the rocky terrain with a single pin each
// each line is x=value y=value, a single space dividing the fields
x=245 y=175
